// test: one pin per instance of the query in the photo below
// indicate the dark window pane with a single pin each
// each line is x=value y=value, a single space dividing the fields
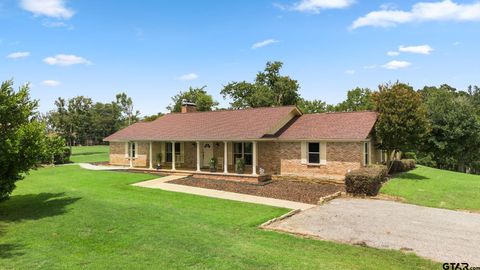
x=177 y=147
x=313 y=158
x=169 y=148
x=237 y=148
x=248 y=148
x=314 y=147
x=248 y=159
x=169 y=157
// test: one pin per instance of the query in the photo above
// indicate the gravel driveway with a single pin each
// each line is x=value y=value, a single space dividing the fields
x=438 y=234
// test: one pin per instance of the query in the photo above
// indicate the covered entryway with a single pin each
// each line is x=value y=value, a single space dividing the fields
x=207 y=153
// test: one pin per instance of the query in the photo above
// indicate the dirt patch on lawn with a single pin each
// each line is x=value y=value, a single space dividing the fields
x=283 y=189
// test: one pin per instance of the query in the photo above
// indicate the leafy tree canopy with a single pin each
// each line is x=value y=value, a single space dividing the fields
x=358 y=99
x=402 y=120
x=312 y=106
x=269 y=89
x=199 y=96
x=22 y=137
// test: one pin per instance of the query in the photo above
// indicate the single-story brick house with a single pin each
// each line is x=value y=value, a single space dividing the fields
x=273 y=141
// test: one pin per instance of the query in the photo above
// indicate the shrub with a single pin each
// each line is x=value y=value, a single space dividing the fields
x=409 y=155
x=365 y=181
x=56 y=151
x=403 y=165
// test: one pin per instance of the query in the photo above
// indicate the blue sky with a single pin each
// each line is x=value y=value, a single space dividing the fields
x=153 y=49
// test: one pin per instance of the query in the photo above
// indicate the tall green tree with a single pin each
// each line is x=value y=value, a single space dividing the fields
x=358 y=99
x=402 y=120
x=454 y=140
x=269 y=89
x=199 y=96
x=312 y=106
x=22 y=137
x=125 y=104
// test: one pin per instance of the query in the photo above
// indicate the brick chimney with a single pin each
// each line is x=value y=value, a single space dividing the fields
x=188 y=107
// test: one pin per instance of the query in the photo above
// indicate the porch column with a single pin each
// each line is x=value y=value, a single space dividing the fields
x=150 y=158
x=198 y=156
x=225 y=157
x=130 y=151
x=254 y=161
x=173 y=156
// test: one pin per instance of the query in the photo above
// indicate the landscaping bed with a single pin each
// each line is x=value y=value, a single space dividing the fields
x=283 y=189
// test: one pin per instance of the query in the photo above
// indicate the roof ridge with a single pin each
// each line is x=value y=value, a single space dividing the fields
x=366 y=111
x=234 y=110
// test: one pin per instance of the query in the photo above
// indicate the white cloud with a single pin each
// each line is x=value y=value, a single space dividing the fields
x=17 y=55
x=421 y=49
x=423 y=11
x=264 y=43
x=350 y=71
x=456 y=43
x=66 y=60
x=49 y=8
x=188 y=77
x=51 y=83
x=395 y=64
x=316 y=5
x=393 y=53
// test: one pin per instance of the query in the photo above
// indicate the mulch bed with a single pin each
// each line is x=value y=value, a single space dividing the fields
x=283 y=189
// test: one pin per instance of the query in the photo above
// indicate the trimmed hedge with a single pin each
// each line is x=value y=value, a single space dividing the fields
x=365 y=181
x=403 y=165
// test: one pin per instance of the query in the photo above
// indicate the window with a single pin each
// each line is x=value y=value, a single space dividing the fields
x=132 y=149
x=314 y=153
x=366 y=152
x=168 y=151
x=243 y=150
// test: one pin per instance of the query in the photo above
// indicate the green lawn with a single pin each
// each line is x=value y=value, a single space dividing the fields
x=70 y=218
x=97 y=153
x=436 y=188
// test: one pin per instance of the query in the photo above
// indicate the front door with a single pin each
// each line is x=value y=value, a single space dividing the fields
x=207 y=153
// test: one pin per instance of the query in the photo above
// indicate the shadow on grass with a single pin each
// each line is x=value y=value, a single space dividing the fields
x=412 y=176
x=29 y=207
x=34 y=206
x=10 y=250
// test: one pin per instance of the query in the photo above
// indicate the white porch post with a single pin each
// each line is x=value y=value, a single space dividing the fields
x=150 y=158
x=173 y=156
x=198 y=156
x=254 y=161
x=225 y=157
x=130 y=151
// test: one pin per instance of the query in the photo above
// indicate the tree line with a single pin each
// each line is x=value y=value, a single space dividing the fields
x=440 y=126
x=449 y=117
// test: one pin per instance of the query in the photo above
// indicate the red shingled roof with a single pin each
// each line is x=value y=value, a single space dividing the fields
x=339 y=126
x=216 y=125
x=250 y=124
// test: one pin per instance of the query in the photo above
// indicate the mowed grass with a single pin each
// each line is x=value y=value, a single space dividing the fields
x=85 y=154
x=70 y=218
x=436 y=188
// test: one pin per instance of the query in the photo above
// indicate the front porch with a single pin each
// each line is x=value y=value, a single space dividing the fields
x=203 y=159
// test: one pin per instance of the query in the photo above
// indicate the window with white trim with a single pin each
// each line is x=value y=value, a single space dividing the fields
x=366 y=153
x=243 y=150
x=132 y=149
x=168 y=151
x=313 y=153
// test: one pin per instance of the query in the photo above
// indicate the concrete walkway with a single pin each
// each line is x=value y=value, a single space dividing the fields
x=92 y=167
x=438 y=234
x=160 y=183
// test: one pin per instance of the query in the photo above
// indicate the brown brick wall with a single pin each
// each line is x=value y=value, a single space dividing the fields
x=117 y=154
x=284 y=158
